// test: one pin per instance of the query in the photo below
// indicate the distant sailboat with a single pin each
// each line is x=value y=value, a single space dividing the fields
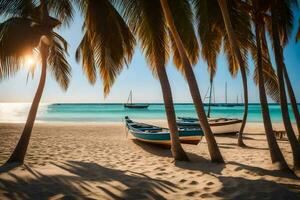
x=129 y=103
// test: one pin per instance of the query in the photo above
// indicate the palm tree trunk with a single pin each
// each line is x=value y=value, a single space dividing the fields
x=245 y=87
x=292 y=99
x=237 y=53
x=176 y=148
x=213 y=148
x=295 y=145
x=209 y=101
x=19 y=152
x=275 y=152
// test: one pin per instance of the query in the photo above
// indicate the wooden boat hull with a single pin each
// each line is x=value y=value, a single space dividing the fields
x=229 y=128
x=218 y=126
x=139 y=106
x=156 y=135
x=164 y=138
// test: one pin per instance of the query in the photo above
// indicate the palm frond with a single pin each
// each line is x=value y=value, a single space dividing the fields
x=85 y=54
x=209 y=33
x=110 y=39
x=183 y=18
x=233 y=64
x=285 y=20
x=62 y=9
x=269 y=74
x=211 y=46
x=211 y=28
x=13 y=46
x=242 y=27
x=57 y=61
x=80 y=5
x=13 y=8
x=146 y=20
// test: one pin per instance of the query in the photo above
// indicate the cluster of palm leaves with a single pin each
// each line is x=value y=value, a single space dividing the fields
x=164 y=29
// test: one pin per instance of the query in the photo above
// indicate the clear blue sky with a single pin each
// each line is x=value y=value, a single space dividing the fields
x=138 y=78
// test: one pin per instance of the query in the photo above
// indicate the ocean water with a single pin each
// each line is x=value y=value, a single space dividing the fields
x=17 y=112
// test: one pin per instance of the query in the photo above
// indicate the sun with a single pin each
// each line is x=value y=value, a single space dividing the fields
x=29 y=61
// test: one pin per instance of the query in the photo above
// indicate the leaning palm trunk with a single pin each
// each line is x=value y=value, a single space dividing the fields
x=275 y=152
x=295 y=145
x=19 y=152
x=237 y=53
x=245 y=87
x=292 y=99
x=213 y=148
x=176 y=148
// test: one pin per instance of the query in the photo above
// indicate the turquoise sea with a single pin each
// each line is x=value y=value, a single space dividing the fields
x=86 y=112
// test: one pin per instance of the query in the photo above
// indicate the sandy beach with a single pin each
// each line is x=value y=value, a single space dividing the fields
x=97 y=161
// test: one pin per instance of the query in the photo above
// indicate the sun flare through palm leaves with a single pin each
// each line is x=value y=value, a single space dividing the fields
x=31 y=60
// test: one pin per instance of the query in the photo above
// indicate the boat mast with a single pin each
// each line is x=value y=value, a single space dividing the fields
x=226 y=92
x=242 y=100
x=214 y=93
x=209 y=100
x=129 y=100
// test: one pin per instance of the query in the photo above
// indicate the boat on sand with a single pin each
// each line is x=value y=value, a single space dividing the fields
x=217 y=125
x=158 y=135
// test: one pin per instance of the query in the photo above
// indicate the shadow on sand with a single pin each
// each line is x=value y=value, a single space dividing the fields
x=7 y=167
x=237 y=188
x=85 y=181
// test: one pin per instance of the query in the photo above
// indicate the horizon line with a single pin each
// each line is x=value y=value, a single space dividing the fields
x=229 y=103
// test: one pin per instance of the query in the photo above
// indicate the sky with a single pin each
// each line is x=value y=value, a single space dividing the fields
x=139 y=78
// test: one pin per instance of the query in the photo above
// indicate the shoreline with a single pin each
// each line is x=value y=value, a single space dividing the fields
x=250 y=126
x=146 y=120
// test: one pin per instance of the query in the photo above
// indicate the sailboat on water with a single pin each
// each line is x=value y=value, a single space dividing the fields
x=129 y=103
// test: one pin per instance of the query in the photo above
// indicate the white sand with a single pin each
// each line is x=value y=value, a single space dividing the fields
x=97 y=161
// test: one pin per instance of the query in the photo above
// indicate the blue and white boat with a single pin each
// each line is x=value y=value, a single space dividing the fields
x=217 y=125
x=158 y=135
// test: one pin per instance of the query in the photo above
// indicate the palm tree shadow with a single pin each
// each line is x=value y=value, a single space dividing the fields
x=85 y=180
x=262 y=172
x=237 y=188
x=157 y=150
x=234 y=145
x=7 y=167
x=197 y=163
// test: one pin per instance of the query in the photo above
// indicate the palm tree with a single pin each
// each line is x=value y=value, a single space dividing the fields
x=286 y=30
x=285 y=27
x=36 y=27
x=263 y=63
x=237 y=54
x=211 y=31
x=292 y=98
x=210 y=39
x=146 y=22
x=264 y=77
x=194 y=90
x=277 y=18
